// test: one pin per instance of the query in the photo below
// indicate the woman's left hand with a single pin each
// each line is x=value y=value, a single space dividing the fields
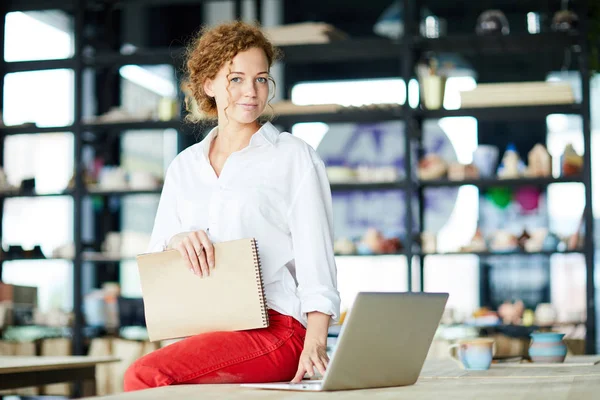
x=314 y=355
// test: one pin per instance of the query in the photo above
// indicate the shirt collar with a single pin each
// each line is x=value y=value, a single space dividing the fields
x=267 y=133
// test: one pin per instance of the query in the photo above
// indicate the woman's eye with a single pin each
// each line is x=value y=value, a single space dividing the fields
x=237 y=79
x=261 y=80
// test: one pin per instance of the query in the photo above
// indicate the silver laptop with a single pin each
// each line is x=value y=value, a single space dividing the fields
x=383 y=342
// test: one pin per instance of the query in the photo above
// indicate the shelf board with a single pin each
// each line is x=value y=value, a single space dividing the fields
x=503 y=254
x=34 y=259
x=101 y=257
x=365 y=49
x=372 y=255
x=122 y=192
x=38 y=65
x=351 y=115
x=355 y=186
x=38 y=5
x=512 y=112
x=499 y=44
x=359 y=49
x=134 y=125
x=11 y=195
x=32 y=129
x=487 y=183
x=156 y=56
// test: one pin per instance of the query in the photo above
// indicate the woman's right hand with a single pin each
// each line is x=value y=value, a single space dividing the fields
x=197 y=251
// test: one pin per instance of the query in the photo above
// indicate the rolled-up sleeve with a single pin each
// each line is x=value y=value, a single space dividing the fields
x=311 y=226
x=167 y=222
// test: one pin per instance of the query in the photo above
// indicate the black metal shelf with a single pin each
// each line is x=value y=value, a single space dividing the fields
x=499 y=44
x=8 y=259
x=134 y=125
x=17 y=194
x=157 y=56
x=95 y=257
x=511 y=112
x=335 y=187
x=91 y=193
x=347 y=115
x=352 y=115
x=341 y=187
x=32 y=129
x=39 y=65
x=121 y=193
x=372 y=255
x=487 y=183
x=37 y=5
x=359 y=49
x=69 y=5
x=366 y=49
x=503 y=254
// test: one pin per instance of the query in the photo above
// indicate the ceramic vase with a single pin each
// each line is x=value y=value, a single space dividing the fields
x=547 y=347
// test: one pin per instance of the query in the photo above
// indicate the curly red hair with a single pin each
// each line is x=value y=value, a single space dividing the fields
x=212 y=48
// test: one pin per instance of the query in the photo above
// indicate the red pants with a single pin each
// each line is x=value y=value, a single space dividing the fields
x=260 y=355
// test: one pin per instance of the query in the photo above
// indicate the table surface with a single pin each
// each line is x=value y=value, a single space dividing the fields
x=21 y=364
x=440 y=379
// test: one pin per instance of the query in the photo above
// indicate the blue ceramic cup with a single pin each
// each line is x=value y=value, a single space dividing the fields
x=474 y=354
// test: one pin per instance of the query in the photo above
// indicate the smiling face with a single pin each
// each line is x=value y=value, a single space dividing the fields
x=241 y=88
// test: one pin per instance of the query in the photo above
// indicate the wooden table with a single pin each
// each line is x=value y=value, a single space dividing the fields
x=442 y=380
x=23 y=371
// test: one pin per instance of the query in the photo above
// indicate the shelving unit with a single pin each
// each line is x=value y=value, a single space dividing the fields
x=405 y=51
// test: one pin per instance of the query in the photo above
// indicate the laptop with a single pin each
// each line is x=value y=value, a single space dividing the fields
x=383 y=342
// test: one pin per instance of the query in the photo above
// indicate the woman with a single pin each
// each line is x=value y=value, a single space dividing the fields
x=247 y=180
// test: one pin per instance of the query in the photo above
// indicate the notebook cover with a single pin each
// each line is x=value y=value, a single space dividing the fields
x=178 y=303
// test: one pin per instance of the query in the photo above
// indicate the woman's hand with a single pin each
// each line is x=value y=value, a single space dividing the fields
x=197 y=251
x=314 y=355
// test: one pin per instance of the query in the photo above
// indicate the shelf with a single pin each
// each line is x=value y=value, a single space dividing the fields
x=366 y=49
x=122 y=192
x=500 y=113
x=336 y=187
x=487 y=183
x=168 y=56
x=372 y=255
x=37 y=5
x=360 y=49
x=503 y=254
x=500 y=44
x=351 y=115
x=39 y=65
x=10 y=195
x=69 y=5
x=32 y=129
x=101 y=257
x=341 y=187
x=7 y=259
x=134 y=125
x=86 y=193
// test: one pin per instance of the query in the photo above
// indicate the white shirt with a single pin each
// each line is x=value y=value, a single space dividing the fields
x=275 y=190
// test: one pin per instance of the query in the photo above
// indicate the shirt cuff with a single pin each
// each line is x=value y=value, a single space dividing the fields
x=326 y=301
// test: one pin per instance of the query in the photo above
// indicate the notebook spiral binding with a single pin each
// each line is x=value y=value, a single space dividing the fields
x=259 y=279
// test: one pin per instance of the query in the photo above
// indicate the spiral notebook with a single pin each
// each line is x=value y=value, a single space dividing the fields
x=178 y=303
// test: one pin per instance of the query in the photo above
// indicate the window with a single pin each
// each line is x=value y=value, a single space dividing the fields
x=44 y=98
